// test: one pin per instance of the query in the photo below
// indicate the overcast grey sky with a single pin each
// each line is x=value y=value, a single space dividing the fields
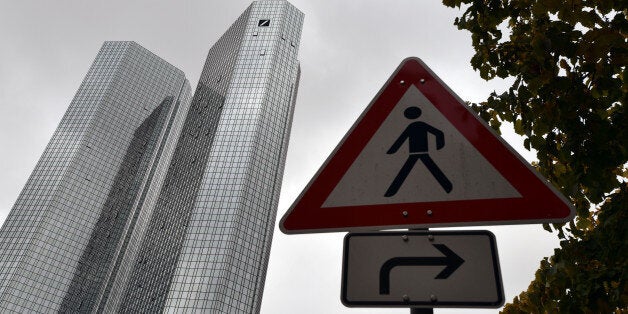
x=348 y=50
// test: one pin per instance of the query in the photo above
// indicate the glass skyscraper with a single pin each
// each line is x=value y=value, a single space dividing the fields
x=95 y=182
x=148 y=199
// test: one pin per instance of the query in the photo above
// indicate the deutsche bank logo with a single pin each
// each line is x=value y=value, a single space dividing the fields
x=263 y=23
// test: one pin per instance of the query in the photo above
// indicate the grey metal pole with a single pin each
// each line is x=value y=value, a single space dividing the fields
x=421 y=310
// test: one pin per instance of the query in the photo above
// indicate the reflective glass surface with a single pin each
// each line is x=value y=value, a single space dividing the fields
x=63 y=236
x=212 y=257
x=150 y=199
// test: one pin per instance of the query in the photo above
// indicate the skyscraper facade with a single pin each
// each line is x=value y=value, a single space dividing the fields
x=99 y=170
x=184 y=219
x=232 y=219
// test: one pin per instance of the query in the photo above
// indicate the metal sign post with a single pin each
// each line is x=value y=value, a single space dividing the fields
x=419 y=157
x=421 y=310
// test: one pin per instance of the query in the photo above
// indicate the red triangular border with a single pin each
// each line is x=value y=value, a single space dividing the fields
x=539 y=203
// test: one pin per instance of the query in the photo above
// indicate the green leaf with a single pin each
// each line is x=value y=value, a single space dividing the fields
x=519 y=127
x=567 y=61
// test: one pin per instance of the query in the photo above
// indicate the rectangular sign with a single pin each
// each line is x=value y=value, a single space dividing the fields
x=421 y=269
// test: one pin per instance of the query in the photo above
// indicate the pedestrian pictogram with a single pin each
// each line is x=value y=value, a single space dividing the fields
x=418 y=157
x=416 y=135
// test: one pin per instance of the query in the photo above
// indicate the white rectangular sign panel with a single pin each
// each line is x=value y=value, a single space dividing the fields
x=421 y=269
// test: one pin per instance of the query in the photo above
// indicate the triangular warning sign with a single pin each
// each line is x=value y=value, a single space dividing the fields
x=418 y=157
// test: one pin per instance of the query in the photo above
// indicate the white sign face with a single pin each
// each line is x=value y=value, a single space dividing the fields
x=421 y=268
x=417 y=155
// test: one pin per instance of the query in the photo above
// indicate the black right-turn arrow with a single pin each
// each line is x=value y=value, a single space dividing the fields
x=451 y=260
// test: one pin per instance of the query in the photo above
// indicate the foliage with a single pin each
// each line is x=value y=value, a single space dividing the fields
x=567 y=60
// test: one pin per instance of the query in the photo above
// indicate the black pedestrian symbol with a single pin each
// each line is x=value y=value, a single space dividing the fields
x=416 y=134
